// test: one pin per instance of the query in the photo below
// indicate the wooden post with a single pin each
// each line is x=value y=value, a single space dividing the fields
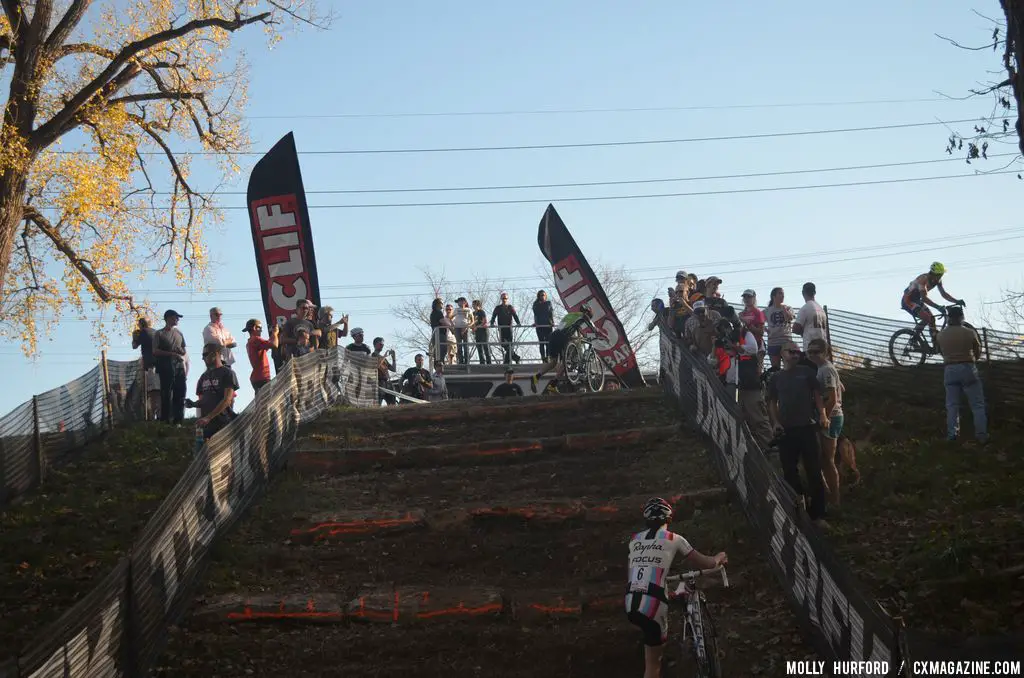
x=37 y=440
x=146 y=414
x=984 y=344
x=108 y=406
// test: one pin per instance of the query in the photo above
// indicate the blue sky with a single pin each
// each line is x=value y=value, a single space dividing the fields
x=741 y=68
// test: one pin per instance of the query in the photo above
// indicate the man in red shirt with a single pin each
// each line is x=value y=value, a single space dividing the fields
x=257 y=348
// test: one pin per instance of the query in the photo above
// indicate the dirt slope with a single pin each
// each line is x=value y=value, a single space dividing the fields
x=461 y=540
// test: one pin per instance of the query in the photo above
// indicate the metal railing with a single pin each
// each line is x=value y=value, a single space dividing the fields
x=494 y=350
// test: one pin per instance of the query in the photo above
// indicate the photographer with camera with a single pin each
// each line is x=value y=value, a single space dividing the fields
x=743 y=379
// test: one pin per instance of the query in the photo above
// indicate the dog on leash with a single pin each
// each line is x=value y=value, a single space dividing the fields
x=846 y=455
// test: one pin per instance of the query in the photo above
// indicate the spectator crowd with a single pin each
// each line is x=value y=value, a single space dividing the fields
x=795 y=405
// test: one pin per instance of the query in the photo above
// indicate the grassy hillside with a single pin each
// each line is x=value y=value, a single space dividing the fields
x=61 y=540
x=936 y=528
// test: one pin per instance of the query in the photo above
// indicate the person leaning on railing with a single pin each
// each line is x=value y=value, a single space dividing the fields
x=543 y=321
x=961 y=350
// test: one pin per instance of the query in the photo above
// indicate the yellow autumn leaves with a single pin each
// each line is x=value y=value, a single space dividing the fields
x=117 y=190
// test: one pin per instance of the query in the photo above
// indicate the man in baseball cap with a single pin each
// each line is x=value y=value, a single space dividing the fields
x=169 y=353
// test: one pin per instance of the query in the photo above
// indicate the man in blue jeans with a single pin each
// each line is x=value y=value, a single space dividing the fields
x=961 y=350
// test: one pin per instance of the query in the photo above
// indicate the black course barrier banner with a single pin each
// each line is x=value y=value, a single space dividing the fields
x=845 y=625
x=577 y=285
x=281 y=234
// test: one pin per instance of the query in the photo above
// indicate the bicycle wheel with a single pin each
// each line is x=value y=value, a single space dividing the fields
x=704 y=645
x=571 y=360
x=595 y=370
x=905 y=349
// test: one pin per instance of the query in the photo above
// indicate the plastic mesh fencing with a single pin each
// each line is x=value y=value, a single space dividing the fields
x=121 y=627
x=52 y=427
x=844 y=623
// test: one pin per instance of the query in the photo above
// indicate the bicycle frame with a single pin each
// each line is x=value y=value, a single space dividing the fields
x=693 y=622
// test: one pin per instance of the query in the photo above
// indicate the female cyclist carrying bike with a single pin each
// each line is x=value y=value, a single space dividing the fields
x=651 y=553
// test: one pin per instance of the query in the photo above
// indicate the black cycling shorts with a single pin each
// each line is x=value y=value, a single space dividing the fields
x=557 y=342
x=653 y=634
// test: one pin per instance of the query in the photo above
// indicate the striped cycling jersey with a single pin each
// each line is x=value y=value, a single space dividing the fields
x=651 y=553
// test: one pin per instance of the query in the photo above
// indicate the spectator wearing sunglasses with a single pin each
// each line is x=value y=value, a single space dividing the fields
x=797 y=412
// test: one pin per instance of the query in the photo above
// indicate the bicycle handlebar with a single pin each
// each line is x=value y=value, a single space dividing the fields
x=696 y=574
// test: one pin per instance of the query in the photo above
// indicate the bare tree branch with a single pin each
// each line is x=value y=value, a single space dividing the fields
x=990 y=45
x=47 y=133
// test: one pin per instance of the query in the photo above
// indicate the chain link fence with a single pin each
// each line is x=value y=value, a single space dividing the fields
x=53 y=427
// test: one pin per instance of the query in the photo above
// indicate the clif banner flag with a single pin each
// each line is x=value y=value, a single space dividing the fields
x=577 y=285
x=281 y=233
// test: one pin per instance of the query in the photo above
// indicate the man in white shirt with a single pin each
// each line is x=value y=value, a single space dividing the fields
x=462 y=322
x=217 y=333
x=810 y=320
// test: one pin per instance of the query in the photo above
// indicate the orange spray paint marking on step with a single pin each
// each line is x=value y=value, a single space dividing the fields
x=461 y=609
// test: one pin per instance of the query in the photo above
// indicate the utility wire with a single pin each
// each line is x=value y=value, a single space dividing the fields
x=620 y=182
x=595 y=144
x=858 y=275
x=633 y=196
x=645 y=269
x=561 y=111
x=717 y=271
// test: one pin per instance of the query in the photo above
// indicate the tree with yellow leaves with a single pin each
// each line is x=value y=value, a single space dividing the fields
x=104 y=105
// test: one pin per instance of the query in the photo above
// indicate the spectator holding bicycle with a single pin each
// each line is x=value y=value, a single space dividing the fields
x=651 y=554
x=961 y=350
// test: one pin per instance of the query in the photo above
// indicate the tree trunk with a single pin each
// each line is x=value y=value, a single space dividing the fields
x=1014 y=12
x=12 y=207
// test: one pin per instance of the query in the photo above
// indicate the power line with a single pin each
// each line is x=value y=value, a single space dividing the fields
x=594 y=144
x=719 y=271
x=634 y=196
x=619 y=182
x=561 y=111
x=644 y=269
x=966 y=265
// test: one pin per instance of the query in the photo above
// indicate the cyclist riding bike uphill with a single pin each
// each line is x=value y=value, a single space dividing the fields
x=560 y=339
x=651 y=554
x=915 y=298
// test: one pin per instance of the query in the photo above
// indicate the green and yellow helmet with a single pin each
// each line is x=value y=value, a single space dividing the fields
x=937 y=269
